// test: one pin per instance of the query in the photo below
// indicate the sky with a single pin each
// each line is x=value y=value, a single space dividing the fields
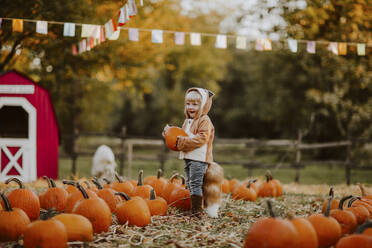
x=256 y=21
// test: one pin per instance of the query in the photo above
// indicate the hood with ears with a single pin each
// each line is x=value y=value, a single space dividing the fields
x=206 y=101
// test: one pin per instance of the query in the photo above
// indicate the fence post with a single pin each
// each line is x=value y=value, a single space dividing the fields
x=122 y=158
x=130 y=159
x=298 y=155
x=347 y=162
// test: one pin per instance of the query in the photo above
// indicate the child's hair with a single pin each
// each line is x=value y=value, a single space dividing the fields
x=193 y=96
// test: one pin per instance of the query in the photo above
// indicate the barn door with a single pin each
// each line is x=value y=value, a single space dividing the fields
x=17 y=139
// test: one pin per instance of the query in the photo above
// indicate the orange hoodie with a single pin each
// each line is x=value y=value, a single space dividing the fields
x=198 y=144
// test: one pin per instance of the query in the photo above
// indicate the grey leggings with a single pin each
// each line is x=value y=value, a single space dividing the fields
x=195 y=171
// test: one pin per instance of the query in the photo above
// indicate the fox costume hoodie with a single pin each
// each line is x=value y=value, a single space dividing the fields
x=198 y=144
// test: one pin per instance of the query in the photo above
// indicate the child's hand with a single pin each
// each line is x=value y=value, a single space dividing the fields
x=165 y=130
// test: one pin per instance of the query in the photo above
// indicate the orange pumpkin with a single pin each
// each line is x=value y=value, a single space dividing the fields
x=13 y=221
x=363 y=202
x=267 y=188
x=122 y=186
x=45 y=234
x=158 y=183
x=77 y=226
x=246 y=193
x=347 y=219
x=180 y=198
x=359 y=239
x=172 y=183
x=233 y=183
x=133 y=210
x=171 y=137
x=225 y=187
x=95 y=210
x=73 y=198
x=327 y=228
x=271 y=233
x=141 y=189
x=24 y=199
x=107 y=194
x=54 y=197
x=156 y=204
x=360 y=212
x=307 y=237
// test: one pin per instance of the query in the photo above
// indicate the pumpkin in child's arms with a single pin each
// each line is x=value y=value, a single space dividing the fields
x=170 y=136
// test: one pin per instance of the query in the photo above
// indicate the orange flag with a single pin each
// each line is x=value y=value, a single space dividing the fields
x=17 y=25
x=342 y=48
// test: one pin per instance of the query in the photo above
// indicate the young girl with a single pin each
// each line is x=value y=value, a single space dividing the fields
x=196 y=148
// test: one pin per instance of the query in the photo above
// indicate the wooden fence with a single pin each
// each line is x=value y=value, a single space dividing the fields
x=125 y=146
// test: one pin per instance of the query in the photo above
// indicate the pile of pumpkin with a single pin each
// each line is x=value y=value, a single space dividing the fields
x=336 y=226
x=251 y=189
x=85 y=209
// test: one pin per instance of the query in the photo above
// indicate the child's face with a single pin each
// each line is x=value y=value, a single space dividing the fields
x=192 y=108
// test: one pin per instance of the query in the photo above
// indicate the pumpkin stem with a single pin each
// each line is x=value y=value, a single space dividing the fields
x=362 y=189
x=328 y=209
x=82 y=190
x=69 y=182
x=183 y=179
x=250 y=182
x=21 y=186
x=87 y=183
x=52 y=183
x=160 y=173
x=174 y=177
x=140 y=178
x=126 y=197
x=270 y=207
x=7 y=205
x=152 y=194
x=341 y=204
x=118 y=177
x=331 y=192
x=352 y=200
x=95 y=181
x=268 y=176
x=106 y=180
x=364 y=226
x=48 y=181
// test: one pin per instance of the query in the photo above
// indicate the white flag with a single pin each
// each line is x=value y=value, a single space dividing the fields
x=122 y=16
x=115 y=35
x=221 y=41
x=333 y=47
x=87 y=30
x=310 y=46
x=110 y=28
x=96 y=32
x=132 y=8
x=361 y=49
x=260 y=43
x=195 y=39
x=292 y=45
x=69 y=29
x=42 y=27
x=157 y=36
x=179 y=38
x=133 y=34
x=141 y=2
x=241 y=42
x=267 y=44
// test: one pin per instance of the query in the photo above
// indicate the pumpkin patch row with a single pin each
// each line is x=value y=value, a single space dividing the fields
x=84 y=209
x=335 y=226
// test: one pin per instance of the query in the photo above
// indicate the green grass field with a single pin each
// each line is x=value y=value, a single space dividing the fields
x=309 y=175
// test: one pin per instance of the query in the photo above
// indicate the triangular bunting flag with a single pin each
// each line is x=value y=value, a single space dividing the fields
x=179 y=38
x=267 y=44
x=221 y=41
x=310 y=47
x=115 y=35
x=195 y=39
x=17 y=25
x=69 y=29
x=241 y=42
x=133 y=34
x=132 y=8
x=157 y=36
x=292 y=45
x=342 y=48
x=74 y=49
x=333 y=47
x=42 y=27
x=361 y=49
x=122 y=17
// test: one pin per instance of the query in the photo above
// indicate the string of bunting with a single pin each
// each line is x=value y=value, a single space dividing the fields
x=96 y=34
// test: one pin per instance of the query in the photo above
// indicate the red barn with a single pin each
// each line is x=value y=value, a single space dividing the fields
x=28 y=130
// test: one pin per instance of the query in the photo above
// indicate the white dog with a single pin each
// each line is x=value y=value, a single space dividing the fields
x=104 y=163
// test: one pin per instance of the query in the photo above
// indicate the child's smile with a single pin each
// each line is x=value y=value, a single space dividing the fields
x=192 y=108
